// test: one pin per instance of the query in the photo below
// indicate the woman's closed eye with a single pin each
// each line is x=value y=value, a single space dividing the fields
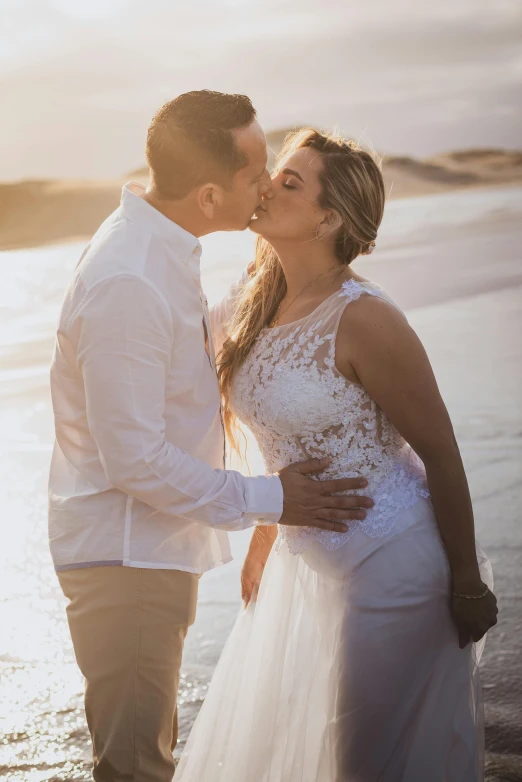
x=289 y=187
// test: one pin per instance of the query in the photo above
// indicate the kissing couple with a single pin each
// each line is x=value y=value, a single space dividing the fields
x=367 y=598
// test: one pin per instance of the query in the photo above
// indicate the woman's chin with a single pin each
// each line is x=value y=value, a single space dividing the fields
x=256 y=226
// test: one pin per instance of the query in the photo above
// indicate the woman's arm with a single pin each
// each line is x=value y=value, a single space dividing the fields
x=221 y=313
x=263 y=537
x=377 y=346
x=260 y=547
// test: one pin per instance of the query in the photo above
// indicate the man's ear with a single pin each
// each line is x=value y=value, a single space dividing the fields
x=208 y=198
x=330 y=224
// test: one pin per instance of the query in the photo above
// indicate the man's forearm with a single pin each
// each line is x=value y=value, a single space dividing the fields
x=179 y=485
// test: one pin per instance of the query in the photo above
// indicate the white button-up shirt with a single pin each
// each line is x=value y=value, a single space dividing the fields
x=137 y=474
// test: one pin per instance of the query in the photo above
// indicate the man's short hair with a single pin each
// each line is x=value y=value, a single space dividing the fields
x=191 y=141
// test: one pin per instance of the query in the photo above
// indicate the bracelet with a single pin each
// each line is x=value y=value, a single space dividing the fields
x=473 y=597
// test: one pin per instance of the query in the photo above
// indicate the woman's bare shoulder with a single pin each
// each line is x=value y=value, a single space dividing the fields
x=372 y=314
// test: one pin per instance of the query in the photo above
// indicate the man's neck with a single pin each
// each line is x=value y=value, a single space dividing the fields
x=180 y=212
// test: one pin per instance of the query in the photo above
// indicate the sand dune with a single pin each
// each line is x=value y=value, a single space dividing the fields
x=467 y=168
x=38 y=212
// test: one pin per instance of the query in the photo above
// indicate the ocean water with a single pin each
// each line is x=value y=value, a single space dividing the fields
x=454 y=261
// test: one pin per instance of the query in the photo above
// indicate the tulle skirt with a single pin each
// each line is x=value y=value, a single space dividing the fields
x=346 y=669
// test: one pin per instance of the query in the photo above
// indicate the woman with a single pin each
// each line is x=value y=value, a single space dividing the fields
x=358 y=660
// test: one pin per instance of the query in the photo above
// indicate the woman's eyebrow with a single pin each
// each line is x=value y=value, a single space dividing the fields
x=293 y=173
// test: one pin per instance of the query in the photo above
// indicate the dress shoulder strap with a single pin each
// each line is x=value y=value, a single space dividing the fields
x=351 y=290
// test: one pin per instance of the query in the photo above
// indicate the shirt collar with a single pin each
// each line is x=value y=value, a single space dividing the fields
x=135 y=208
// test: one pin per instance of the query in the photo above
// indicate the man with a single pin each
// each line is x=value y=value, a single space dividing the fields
x=140 y=501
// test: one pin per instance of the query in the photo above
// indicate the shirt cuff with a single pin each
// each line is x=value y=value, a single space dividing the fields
x=264 y=496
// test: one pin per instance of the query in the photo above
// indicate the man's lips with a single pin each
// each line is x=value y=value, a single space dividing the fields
x=258 y=211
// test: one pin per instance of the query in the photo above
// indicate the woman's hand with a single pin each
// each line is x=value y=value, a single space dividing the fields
x=251 y=574
x=473 y=617
x=255 y=561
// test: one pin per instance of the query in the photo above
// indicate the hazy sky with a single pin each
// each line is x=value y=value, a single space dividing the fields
x=80 y=79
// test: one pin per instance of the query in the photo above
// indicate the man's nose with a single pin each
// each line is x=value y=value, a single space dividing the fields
x=266 y=186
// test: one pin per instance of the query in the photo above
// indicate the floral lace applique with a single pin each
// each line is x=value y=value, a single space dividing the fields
x=299 y=406
x=353 y=290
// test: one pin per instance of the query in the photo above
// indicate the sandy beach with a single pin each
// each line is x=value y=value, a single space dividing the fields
x=453 y=261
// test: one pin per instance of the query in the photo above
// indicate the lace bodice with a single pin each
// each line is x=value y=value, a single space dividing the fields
x=299 y=406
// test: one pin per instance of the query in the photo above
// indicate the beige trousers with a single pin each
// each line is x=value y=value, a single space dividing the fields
x=128 y=626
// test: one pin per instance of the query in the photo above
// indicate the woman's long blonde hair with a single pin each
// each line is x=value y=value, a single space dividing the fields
x=353 y=187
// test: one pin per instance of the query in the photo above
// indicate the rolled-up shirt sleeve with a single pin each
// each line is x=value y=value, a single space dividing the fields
x=125 y=342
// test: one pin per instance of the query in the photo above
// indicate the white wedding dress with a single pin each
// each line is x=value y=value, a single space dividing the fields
x=347 y=668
